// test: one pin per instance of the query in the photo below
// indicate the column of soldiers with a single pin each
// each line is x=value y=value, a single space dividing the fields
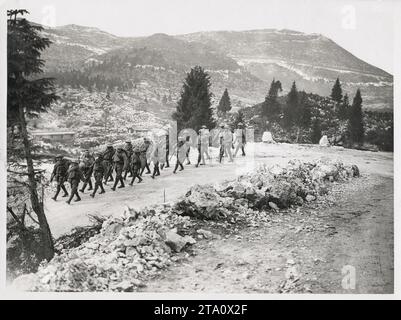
x=127 y=162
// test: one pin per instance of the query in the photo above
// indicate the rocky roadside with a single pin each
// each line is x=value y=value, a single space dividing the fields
x=138 y=246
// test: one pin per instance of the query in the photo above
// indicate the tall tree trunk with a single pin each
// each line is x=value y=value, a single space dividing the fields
x=47 y=239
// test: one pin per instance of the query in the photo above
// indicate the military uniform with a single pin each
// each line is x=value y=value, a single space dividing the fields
x=240 y=140
x=108 y=163
x=86 y=166
x=120 y=163
x=129 y=151
x=135 y=167
x=74 y=176
x=143 y=157
x=60 y=175
x=181 y=154
x=226 y=143
x=98 y=173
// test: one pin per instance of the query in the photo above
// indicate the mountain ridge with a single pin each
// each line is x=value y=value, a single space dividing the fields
x=314 y=61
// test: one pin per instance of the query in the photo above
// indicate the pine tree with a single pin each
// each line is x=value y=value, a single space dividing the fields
x=291 y=107
x=303 y=113
x=194 y=107
x=355 y=120
x=225 y=103
x=271 y=107
x=27 y=96
x=336 y=92
x=343 y=108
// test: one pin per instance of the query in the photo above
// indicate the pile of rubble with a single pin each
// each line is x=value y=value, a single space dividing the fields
x=137 y=245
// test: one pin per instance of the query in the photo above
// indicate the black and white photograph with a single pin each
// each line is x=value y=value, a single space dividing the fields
x=199 y=147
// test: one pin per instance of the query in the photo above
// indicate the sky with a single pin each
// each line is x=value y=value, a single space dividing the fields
x=363 y=27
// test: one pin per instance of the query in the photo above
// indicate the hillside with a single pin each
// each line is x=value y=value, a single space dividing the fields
x=244 y=62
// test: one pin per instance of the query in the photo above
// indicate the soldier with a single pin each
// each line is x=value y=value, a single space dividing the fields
x=181 y=151
x=205 y=141
x=203 y=145
x=86 y=165
x=120 y=163
x=226 y=142
x=98 y=173
x=240 y=139
x=129 y=151
x=74 y=176
x=60 y=174
x=143 y=156
x=135 y=167
x=108 y=163
x=155 y=160
x=188 y=148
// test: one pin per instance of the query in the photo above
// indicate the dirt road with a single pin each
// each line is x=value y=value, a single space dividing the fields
x=167 y=187
x=303 y=251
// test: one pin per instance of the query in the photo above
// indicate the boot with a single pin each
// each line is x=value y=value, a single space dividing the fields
x=122 y=184
x=102 y=190
x=90 y=185
x=83 y=187
x=70 y=198
x=94 y=191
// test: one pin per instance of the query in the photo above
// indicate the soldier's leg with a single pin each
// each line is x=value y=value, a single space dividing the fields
x=236 y=149
x=57 y=191
x=199 y=158
x=228 y=149
x=167 y=163
x=78 y=198
x=176 y=166
x=147 y=168
x=84 y=186
x=119 y=176
x=181 y=166
x=72 y=193
x=64 y=189
x=243 y=151
x=136 y=173
x=90 y=184
x=94 y=191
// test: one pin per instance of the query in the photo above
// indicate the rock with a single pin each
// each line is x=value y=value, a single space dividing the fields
x=273 y=206
x=112 y=229
x=324 y=141
x=268 y=137
x=175 y=241
x=205 y=233
x=125 y=286
x=310 y=198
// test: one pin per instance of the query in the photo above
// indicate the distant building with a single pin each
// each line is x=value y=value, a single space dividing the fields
x=54 y=136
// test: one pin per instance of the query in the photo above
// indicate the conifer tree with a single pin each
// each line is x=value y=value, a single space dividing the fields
x=271 y=107
x=194 y=107
x=225 y=102
x=336 y=92
x=316 y=131
x=291 y=107
x=355 y=120
x=27 y=96
x=343 y=108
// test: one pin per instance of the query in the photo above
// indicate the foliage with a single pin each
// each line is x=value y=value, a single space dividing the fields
x=194 y=106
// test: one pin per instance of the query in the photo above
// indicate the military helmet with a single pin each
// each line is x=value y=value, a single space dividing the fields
x=204 y=127
x=58 y=156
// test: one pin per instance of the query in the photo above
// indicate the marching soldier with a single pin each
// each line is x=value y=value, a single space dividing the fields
x=108 y=163
x=136 y=167
x=143 y=156
x=120 y=163
x=60 y=174
x=181 y=151
x=240 y=139
x=203 y=145
x=86 y=165
x=155 y=160
x=74 y=176
x=226 y=143
x=98 y=173
x=129 y=151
